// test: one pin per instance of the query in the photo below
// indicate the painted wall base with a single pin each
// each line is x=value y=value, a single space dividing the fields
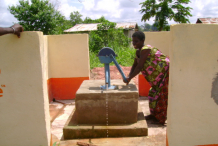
x=64 y=88
x=143 y=86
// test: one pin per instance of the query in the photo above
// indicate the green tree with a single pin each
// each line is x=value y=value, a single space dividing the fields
x=40 y=15
x=107 y=36
x=75 y=18
x=163 y=10
x=154 y=26
x=146 y=27
x=99 y=20
x=64 y=25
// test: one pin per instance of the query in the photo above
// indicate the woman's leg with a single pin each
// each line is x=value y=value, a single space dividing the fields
x=152 y=101
x=162 y=101
x=158 y=98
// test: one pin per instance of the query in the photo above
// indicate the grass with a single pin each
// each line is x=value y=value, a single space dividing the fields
x=125 y=57
x=55 y=144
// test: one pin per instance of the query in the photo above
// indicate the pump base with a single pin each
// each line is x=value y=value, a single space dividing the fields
x=104 y=87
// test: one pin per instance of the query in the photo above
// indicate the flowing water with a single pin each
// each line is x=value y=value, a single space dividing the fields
x=106 y=99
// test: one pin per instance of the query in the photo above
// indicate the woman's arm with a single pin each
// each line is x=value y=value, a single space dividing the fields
x=137 y=53
x=15 y=29
x=133 y=66
x=6 y=30
x=140 y=65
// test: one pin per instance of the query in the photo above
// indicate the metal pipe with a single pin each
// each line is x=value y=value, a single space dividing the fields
x=118 y=67
x=107 y=75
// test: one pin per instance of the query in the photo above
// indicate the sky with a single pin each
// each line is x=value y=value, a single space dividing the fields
x=112 y=10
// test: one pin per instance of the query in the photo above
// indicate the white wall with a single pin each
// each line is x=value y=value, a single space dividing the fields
x=24 y=108
x=160 y=40
x=68 y=64
x=192 y=112
x=68 y=56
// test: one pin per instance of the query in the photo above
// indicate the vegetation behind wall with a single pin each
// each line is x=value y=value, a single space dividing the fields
x=109 y=36
x=125 y=57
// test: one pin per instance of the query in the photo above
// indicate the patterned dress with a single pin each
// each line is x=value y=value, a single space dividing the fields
x=156 y=72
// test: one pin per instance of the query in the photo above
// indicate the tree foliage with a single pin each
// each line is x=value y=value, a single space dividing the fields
x=99 y=20
x=107 y=36
x=39 y=15
x=164 y=10
x=146 y=27
x=75 y=18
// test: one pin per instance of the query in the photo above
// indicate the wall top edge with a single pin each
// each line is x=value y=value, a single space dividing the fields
x=80 y=34
x=173 y=25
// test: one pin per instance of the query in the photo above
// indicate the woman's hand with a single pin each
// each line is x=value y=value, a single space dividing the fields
x=17 y=29
x=127 y=80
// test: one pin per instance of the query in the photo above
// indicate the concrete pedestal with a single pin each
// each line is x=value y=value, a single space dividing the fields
x=73 y=130
x=106 y=113
x=93 y=105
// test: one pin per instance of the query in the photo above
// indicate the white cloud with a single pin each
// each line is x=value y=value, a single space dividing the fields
x=11 y=2
x=113 y=10
x=6 y=18
x=88 y=5
x=203 y=9
x=106 y=5
x=66 y=9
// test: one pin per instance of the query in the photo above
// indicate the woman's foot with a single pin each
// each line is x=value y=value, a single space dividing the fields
x=153 y=120
x=149 y=117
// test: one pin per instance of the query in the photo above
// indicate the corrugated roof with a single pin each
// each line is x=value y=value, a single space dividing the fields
x=93 y=26
x=207 y=20
x=127 y=25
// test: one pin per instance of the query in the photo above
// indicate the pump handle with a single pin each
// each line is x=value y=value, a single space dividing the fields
x=118 y=67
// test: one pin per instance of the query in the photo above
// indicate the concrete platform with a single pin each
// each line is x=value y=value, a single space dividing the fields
x=73 y=130
x=60 y=112
x=97 y=106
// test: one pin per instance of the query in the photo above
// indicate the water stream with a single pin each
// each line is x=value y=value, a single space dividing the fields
x=106 y=99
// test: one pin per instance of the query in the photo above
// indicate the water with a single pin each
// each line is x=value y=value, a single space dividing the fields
x=106 y=100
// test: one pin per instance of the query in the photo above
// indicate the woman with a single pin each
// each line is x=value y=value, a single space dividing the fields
x=154 y=66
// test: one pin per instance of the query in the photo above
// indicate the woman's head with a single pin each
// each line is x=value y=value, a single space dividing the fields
x=138 y=39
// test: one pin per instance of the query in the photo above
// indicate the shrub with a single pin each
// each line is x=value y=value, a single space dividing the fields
x=107 y=36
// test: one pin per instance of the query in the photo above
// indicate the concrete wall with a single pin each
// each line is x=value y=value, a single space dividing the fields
x=161 y=40
x=193 y=89
x=24 y=108
x=68 y=64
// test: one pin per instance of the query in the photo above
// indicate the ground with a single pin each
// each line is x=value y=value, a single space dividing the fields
x=98 y=73
x=60 y=111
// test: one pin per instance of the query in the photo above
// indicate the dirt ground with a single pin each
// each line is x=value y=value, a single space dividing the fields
x=98 y=73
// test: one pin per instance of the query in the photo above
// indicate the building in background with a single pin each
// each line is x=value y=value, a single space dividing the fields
x=129 y=28
x=207 y=20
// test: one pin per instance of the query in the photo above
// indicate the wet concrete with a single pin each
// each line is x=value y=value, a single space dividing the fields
x=60 y=113
x=121 y=103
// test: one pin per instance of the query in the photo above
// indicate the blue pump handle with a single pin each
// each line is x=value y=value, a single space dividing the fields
x=118 y=67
